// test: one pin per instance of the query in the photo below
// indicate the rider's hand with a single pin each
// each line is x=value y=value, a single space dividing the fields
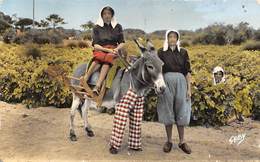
x=115 y=51
x=107 y=50
x=110 y=50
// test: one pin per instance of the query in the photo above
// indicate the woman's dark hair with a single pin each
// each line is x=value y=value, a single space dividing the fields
x=109 y=9
x=174 y=32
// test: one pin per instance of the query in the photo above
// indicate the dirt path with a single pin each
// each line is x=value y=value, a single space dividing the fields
x=42 y=134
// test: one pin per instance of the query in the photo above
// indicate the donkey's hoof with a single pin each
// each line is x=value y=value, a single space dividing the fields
x=102 y=109
x=90 y=133
x=73 y=137
x=111 y=111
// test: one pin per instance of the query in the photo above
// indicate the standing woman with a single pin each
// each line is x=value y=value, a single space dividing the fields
x=108 y=39
x=174 y=105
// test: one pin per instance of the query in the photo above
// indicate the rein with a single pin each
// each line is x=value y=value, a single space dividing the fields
x=125 y=62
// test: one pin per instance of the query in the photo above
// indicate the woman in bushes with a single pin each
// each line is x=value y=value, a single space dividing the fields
x=218 y=75
x=174 y=105
x=108 y=39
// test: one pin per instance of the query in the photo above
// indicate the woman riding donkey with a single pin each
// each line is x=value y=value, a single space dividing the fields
x=108 y=40
x=125 y=94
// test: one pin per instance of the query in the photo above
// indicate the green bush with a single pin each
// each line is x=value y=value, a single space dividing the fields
x=217 y=104
x=256 y=106
x=150 y=112
x=32 y=51
x=23 y=79
x=71 y=44
x=252 y=46
x=34 y=36
x=185 y=43
x=9 y=35
x=83 y=44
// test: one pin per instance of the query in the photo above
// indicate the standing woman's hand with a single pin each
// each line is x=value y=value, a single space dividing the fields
x=188 y=79
x=188 y=95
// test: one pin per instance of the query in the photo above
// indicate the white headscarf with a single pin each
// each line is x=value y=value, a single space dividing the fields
x=166 y=45
x=100 y=21
x=218 y=69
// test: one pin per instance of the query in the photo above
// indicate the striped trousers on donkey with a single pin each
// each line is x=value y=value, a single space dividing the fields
x=130 y=106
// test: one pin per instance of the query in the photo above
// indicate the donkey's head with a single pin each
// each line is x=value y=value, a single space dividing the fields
x=149 y=67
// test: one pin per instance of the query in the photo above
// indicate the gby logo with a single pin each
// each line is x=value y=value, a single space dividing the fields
x=237 y=139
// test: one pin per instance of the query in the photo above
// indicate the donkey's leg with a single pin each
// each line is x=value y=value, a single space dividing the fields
x=85 y=109
x=74 y=106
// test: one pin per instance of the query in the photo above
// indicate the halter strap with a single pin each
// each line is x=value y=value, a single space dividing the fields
x=143 y=82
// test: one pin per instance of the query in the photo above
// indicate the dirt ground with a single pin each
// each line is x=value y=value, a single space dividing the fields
x=41 y=134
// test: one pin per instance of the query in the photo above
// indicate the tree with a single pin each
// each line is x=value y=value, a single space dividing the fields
x=230 y=32
x=135 y=33
x=24 y=22
x=88 y=26
x=257 y=35
x=55 y=20
x=242 y=33
x=5 y=22
x=7 y=18
x=4 y=25
x=44 y=24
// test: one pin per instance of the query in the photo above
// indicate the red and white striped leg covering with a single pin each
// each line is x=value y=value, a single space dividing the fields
x=130 y=106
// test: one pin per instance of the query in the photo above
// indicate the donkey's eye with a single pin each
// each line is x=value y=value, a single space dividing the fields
x=149 y=67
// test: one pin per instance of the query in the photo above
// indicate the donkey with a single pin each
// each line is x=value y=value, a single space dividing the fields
x=144 y=74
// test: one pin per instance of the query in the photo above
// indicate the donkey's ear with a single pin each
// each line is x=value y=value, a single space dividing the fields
x=141 y=47
x=149 y=45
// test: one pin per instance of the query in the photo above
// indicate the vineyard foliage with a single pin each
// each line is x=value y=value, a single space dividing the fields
x=23 y=79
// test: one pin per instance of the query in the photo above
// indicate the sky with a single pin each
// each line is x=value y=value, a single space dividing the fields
x=148 y=15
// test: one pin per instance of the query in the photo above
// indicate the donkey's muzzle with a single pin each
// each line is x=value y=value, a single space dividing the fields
x=162 y=89
x=159 y=90
x=160 y=85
